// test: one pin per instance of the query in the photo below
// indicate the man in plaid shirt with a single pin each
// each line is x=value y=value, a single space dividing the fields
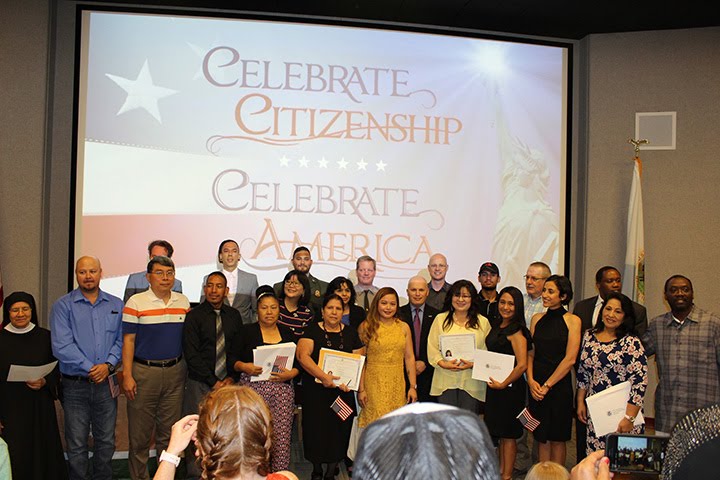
x=686 y=344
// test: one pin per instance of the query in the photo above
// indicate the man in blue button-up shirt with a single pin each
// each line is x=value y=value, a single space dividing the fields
x=86 y=328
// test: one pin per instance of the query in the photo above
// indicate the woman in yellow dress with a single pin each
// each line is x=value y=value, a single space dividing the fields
x=389 y=346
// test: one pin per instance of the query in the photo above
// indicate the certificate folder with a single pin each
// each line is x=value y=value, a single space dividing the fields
x=270 y=357
x=347 y=366
x=607 y=408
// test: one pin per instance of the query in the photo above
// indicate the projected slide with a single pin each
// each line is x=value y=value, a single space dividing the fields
x=349 y=141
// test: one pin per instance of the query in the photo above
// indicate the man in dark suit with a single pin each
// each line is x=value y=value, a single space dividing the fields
x=607 y=280
x=419 y=316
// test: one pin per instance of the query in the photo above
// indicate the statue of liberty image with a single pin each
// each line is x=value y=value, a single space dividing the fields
x=527 y=227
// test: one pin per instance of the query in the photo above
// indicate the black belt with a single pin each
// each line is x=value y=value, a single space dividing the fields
x=158 y=363
x=77 y=378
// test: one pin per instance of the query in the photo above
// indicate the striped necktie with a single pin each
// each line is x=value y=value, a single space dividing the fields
x=220 y=358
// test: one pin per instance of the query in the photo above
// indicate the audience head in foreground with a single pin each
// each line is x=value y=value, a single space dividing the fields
x=548 y=471
x=233 y=436
x=694 y=446
x=426 y=440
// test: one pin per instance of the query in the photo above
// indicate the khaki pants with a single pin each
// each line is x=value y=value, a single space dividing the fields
x=158 y=404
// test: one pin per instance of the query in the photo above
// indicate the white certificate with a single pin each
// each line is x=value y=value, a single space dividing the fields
x=491 y=364
x=607 y=408
x=22 y=373
x=271 y=358
x=347 y=366
x=457 y=346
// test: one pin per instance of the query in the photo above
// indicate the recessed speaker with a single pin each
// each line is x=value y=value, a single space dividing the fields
x=658 y=128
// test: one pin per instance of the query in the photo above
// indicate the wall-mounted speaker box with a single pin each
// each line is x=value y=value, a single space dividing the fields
x=658 y=128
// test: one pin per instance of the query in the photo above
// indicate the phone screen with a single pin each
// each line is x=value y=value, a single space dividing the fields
x=636 y=453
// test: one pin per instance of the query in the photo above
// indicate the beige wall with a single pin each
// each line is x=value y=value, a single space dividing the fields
x=676 y=70
x=24 y=33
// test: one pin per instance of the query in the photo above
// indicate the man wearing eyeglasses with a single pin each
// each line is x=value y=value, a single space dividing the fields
x=153 y=367
x=535 y=278
x=137 y=282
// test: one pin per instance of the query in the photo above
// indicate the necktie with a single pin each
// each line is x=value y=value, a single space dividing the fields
x=416 y=327
x=220 y=358
x=366 y=301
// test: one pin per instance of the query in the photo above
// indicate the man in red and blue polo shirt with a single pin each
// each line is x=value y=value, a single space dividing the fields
x=153 y=368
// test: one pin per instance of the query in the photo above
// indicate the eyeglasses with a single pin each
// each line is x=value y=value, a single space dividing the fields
x=462 y=296
x=534 y=279
x=292 y=283
x=164 y=274
x=16 y=310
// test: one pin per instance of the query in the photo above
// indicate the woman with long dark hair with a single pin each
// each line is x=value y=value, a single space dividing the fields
x=611 y=354
x=353 y=315
x=452 y=380
x=506 y=397
x=556 y=341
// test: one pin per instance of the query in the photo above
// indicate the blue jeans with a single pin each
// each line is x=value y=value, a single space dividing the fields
x=87 y=404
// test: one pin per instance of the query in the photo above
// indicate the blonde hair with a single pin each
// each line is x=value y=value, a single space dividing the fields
x=368 y=329
x=548 y=471
x=234 y=433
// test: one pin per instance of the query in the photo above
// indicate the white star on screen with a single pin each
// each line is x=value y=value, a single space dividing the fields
x=284 y=161
x=381 y=165
x=303 y=162
x=141 y=92
x=342 y=164
x=322 y=163
x=362 y=164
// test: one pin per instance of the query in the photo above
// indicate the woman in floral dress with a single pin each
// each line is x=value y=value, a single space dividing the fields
x=611 y=353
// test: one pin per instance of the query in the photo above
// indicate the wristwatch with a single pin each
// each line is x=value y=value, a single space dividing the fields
x=169 y=457
x=111 y=368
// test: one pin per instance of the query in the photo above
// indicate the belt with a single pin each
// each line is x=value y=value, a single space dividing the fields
x=158 y=363
x=77 y=378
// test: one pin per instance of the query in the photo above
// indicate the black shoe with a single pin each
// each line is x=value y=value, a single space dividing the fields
x=316 y=476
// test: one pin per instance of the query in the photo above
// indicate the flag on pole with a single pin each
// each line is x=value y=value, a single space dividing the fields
x=634 y=275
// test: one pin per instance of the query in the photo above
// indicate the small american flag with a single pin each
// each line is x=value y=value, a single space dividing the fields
x=114 y=386
x=341 y=408
x=527 y=420
x=280 y=363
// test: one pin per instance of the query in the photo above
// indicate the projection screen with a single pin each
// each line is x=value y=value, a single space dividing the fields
x=351 y=141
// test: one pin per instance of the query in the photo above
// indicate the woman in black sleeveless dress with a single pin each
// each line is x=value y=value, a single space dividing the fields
x=506 y=397
x=556 y=338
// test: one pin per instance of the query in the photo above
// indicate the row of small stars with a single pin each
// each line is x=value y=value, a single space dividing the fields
x=342 y=164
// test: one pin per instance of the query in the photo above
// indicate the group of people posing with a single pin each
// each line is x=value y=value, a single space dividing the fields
x=166 y=358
